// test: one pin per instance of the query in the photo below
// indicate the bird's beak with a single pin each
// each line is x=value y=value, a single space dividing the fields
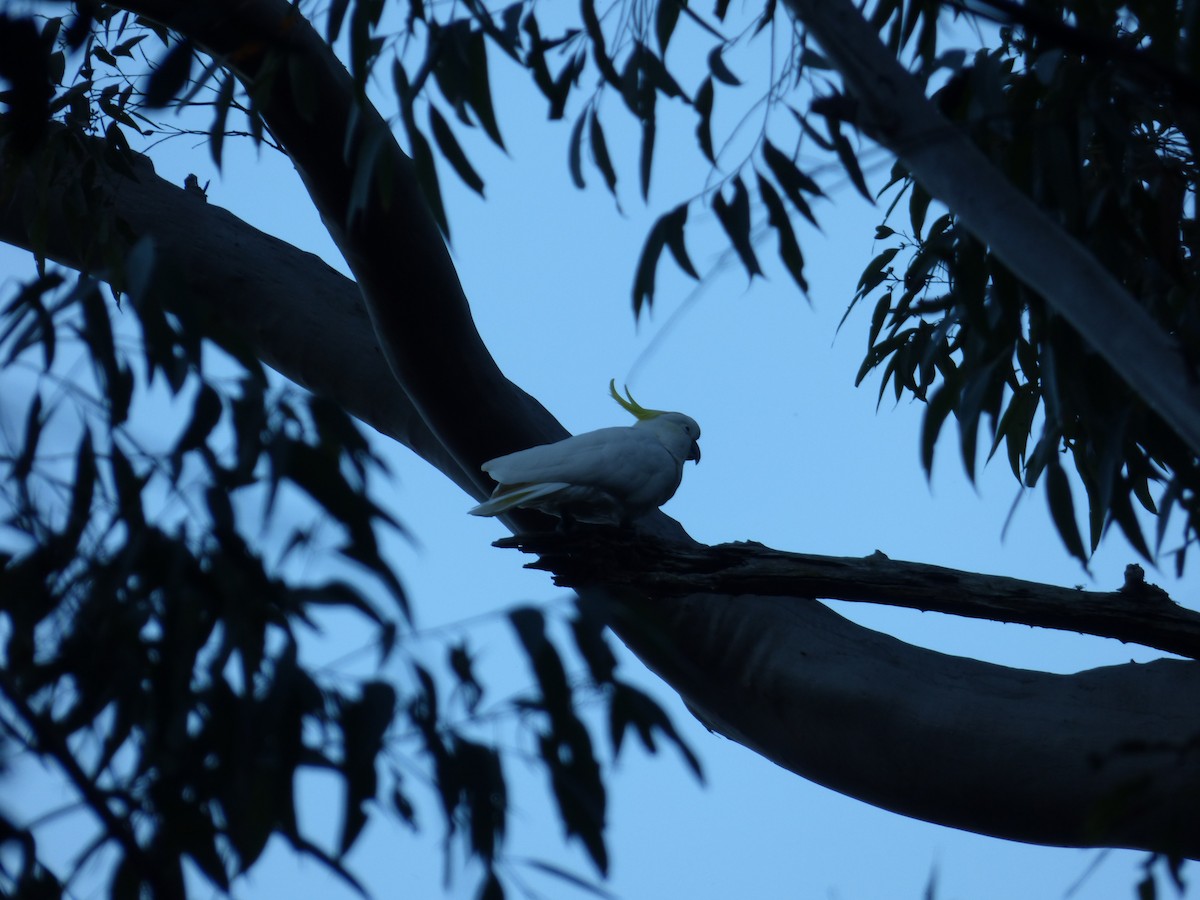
x=695 y=454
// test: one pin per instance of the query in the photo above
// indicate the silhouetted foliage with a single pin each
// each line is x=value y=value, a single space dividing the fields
x=152 y=644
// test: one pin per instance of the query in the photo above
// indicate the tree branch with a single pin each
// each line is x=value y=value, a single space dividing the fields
x=791 y=680
x=382 y=225
x=1106 y=757
x=1137 y=613
x=899 y=116
x=254 y=293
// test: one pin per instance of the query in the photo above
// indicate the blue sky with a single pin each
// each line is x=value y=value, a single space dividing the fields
x=794 y=456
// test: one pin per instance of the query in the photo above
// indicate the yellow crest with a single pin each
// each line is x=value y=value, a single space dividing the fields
x=635 y=408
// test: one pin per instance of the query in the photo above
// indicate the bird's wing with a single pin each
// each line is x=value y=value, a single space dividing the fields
x=613 y=459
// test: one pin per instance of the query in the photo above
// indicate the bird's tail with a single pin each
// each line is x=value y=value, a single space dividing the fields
x=507 y=497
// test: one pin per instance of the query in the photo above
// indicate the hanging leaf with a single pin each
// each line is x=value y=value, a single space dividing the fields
x=789 y=248
x=364 y=724
x=630 y=706
x=734 y=216
x=918 y=205
x=206 y=412
x=23 y=464
x=791 y=179
x=462 y=664
x=703 y=104
x=335 y=16
x=882 y=307
x=560 y=90
x=547 y=666
x=82 y=491
x=648 y=71
x=673 y=226
x=172 y=73
x=40 y=330
x=666 y=16
x=876 y=271
x=575 y=152
x=845 y=153
x=427 y=177
x=1062 y=510
x=588 y=631
x=1123 y=514
x=591 y=22
x=484 y=795
x=453 y=153
x=577 y=785
x=1014 y=427
x=667 y=231
x=125 y=48
x=221 y=107
x=647 y=156
x=600 y=154
x=940 y=406
x=719 y=70
x=479 y=88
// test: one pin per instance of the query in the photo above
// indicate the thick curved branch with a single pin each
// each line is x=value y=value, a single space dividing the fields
x=900 y=117
x=787 y=677
x=255 y=292
x=385 y=233
x=1099 y=758
x=1105 y=757
x=1138 y=613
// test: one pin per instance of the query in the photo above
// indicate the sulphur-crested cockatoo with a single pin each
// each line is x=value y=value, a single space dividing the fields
x=608 y=476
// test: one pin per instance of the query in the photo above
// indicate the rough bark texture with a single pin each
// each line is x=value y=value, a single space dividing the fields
x=1137 y=613
x=1106 y=757
x=897 y=114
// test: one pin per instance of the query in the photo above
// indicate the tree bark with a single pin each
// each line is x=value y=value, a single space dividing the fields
x=1101 y=758
x=1138 y=613
x=1105 y=757
x=899 y=116
x=365 y=189
x=247 y=280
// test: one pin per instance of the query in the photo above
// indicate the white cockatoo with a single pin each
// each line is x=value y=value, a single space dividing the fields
x=609 y=476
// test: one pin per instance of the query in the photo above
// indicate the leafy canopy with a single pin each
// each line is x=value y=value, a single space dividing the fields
x=153 y=649
x=1087 y=107
x=159 y=603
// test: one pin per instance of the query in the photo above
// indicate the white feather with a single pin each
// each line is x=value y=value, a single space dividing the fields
x=607 y=476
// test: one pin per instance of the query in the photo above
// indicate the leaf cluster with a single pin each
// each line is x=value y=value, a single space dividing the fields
x=563 y=741
x=151 y=650
x=1087 y=107
x=1081 y=119
x=612 y=50
x=104 y=71
x=155 y=656
x=155 y=651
